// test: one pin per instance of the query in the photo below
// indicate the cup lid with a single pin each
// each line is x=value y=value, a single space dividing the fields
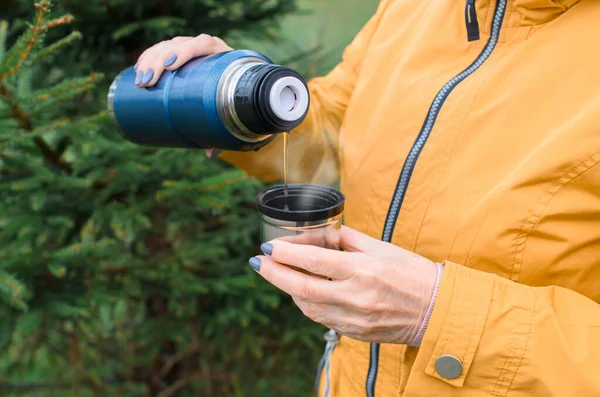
x=306 y=203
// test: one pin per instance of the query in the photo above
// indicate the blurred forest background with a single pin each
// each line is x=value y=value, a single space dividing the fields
x=123 y=270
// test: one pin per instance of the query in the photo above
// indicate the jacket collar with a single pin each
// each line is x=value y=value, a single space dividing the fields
x=536 y=12
x=522 y=13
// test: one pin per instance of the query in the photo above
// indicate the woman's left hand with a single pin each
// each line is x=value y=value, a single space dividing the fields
x=378 y=292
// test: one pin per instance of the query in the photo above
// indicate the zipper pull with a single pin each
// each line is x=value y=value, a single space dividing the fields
x=471 y=20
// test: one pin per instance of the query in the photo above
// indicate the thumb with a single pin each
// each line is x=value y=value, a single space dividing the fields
x=355 y=241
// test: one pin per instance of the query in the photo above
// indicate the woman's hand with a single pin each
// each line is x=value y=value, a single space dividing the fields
x=378 y=292
x=171 y=55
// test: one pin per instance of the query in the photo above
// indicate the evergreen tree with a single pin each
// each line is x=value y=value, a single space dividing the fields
x=123 y=270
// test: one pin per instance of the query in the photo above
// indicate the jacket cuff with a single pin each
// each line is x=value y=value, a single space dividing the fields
x=418 y=338
x=480 y=325
x=458 y=318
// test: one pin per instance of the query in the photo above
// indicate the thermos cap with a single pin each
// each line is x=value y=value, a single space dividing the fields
x=306 y=202
x=271 y=99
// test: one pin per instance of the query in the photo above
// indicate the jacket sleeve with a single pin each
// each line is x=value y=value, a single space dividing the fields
x=531 y=341
x=313 y=156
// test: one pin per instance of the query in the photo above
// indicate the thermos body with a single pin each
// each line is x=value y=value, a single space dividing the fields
x=236 y=100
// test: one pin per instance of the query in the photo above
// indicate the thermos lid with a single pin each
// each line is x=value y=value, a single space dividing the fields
x=306 y=203
x=271 y=99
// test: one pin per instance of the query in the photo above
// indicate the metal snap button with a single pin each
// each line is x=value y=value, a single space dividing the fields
x=448 y=366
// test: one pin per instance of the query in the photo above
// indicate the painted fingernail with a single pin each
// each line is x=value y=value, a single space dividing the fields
x=138 y=77
x=215 y=153
x=255 y=263
x=148 y=75
x=170 y=60
x=136 y=65
x=267 y=248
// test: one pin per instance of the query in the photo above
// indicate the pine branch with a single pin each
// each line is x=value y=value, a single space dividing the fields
x=43 y=7
x=64 y=20
x=51 y=156
x=181 y=383
x=8 y=385
x=16 y=111
x=65 y=91
x=65 y=41
x=177 y=358
x=3 y=34
x=13 y=290
x=62 y=122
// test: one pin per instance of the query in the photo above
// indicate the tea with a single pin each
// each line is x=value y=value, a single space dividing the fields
x=286 y=136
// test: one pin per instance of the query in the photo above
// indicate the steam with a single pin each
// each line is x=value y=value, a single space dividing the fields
x=311 y=158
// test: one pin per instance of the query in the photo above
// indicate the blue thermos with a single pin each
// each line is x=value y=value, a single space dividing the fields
x=236 y=100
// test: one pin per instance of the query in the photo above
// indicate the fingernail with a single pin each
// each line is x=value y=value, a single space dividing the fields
x=267 y=248
x=138 y=77
x=170 y=60
x=215 y=152
x=136 y=65
x=255 y=263
x=148 y=75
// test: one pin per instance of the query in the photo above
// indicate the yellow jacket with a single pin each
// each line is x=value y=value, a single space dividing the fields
x=498 y=144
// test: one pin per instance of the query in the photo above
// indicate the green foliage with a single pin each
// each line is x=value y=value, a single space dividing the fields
x=313 y=39
x=115 y=32
x=123 y=270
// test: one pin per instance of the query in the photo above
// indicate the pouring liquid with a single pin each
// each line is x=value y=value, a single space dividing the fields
x=286 y=136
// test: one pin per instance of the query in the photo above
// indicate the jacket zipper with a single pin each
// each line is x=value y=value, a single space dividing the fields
x=417 y=148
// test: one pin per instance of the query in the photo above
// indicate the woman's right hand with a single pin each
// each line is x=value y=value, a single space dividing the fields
x=171 y=55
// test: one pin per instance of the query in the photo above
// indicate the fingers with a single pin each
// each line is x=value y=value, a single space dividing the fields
x=316 y=260
x=325 y=314
x=222 y=43
x=151 y=63
x=354 y=241
x=199 y=46
x=299 y=285
x=172 y=54
x=148 y=51
x=316 y=238
x=213 y=153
